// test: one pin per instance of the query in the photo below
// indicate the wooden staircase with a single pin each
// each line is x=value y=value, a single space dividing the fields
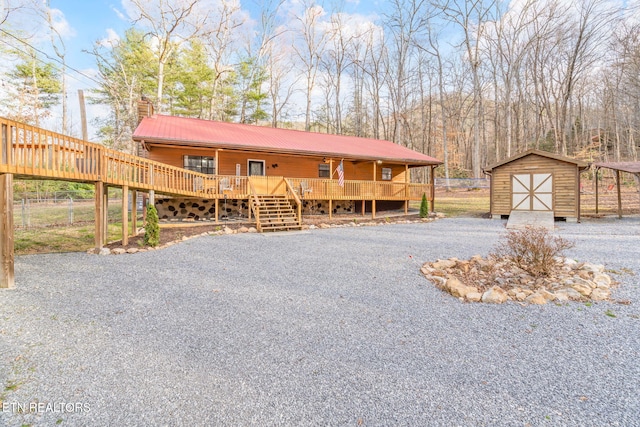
x=274 y=213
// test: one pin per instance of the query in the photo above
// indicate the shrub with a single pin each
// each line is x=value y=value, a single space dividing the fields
x=533 y=249
x=151 y=227
x=424 y=207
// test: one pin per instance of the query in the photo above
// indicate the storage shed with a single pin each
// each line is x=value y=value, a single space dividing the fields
x=536 y=180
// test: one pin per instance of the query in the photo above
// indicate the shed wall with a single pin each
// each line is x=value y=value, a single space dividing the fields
x=565 y=184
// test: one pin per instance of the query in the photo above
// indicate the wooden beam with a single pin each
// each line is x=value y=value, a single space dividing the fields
x=105 y=213
x=595 y=180
x=134 y=213
x=373 y=200
x=432 y=181
x=7 y=276
x=330 y=209
x=99 y=215
x=125 y=215
x=406 y=189
x=619 y=194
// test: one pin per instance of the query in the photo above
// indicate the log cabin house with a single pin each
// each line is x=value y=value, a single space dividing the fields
x=248 y=167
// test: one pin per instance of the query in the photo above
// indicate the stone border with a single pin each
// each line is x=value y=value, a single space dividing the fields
x=497 y=281
x=227 y=230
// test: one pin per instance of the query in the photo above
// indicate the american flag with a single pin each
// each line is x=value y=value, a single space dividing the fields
x=340 y=170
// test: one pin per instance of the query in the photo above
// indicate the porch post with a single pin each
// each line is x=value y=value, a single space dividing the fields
x=99 y=215
x=595 y=180
x=7 y=276
x=125 y=215
x=373 y=200
x=433 y=188
x=406 y=189
x=619 y=194
x=134 y=213
x=331 y=189
x=105 y=213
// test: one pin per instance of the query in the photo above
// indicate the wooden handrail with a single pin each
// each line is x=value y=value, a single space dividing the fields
x=294 y=195
x=31 y=151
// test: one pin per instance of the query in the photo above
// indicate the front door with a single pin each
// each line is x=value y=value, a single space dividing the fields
x=255 y=167
x=532 y=192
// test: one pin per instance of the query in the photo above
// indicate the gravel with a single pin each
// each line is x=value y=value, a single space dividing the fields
x=320 y=327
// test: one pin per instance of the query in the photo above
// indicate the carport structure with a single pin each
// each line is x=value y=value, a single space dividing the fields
x=629 y=167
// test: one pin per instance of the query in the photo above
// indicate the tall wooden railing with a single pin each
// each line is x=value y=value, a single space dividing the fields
x=329 y=189
x=34 y=152
x=292 y=194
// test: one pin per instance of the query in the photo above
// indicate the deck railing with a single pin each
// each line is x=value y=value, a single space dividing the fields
x=329 y=189
x=30 y=151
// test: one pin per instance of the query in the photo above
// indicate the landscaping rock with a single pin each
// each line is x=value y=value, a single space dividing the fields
x=443 y=263
x=118 y=251
x=457 y=288
x=466 y=279
x=104 y=251
x=600 y=294
x=132 y=250
x=495 y=295
x=582 y=288
x=474 y=296
x=536 y=298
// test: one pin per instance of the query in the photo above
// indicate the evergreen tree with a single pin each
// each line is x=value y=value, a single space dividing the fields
x=424 y=207
x=152 y=227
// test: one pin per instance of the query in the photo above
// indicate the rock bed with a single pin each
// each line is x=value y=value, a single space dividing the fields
x=497 y=281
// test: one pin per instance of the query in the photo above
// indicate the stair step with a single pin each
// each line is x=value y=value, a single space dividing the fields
x=275 y=213
x=286 y=227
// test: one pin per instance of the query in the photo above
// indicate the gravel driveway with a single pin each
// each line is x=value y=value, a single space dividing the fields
x=322 y=327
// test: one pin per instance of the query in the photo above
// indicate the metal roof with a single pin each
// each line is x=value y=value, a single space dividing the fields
x=578 y=163
x=631 y=167
x=182 y=131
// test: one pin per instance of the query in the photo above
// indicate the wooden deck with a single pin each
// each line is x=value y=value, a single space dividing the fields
x=28 y=152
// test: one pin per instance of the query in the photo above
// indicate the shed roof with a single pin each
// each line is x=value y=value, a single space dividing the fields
x=182 y=131
x=579 y=163
x=631 y=167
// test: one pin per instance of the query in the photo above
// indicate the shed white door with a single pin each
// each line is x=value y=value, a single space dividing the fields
x=532 y=192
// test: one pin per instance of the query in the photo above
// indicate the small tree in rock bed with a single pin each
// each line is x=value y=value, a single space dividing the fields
x=152 y=227
x=532 y=249
x=424 y=207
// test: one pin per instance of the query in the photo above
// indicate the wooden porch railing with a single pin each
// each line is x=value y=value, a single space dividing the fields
x=34 y=152
x=328 y=189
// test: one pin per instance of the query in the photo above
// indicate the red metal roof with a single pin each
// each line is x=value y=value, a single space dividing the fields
x=171 y=130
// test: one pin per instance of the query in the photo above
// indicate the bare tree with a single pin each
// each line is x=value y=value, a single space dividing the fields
x=406 y=21
x=313 y=40
x=170 y=23
x=220 y=38
x=470 y=17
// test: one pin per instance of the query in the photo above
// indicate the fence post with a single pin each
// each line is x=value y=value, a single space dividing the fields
x=24 y=212
x=70 y=211
x=7 y=278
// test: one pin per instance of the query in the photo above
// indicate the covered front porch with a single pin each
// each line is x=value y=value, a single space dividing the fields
x=227 y=197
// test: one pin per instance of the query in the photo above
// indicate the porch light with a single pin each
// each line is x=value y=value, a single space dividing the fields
x=379 y=162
